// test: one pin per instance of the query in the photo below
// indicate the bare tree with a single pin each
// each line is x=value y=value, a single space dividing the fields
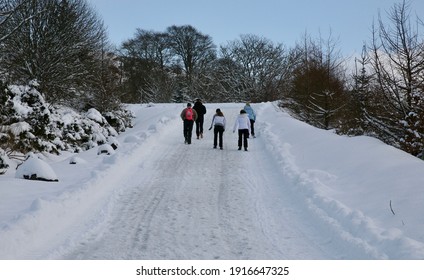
x=6 y=11
x=146 y=63
x=259 y=67
x=9 y=9
x=194 y=51
x=318 y=92
x=173 y=65
x=103 y=93
x=193 y=48
x=55 y=42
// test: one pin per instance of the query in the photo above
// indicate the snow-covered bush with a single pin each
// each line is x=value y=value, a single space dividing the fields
x=25 y=119
x=83 y=131
x=105 y=149
x=28 y=123
x=76 y=160
x=33 y=168
x=3 y=162
x=120 y=119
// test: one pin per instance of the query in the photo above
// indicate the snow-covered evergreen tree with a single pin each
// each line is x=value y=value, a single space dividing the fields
x=398 y=63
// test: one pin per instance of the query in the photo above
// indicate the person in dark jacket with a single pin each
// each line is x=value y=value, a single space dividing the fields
x=189 y=116
x=201 y=111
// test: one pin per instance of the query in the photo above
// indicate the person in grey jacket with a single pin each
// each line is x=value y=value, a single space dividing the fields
x=243 y=125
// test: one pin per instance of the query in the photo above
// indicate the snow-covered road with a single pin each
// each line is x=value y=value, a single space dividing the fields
x=194 y=202
x=298 y=193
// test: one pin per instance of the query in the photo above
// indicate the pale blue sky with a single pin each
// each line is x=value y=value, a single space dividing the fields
x=281 y=21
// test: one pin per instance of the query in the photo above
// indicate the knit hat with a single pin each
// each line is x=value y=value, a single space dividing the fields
x=189 y=104
x=218 y=110
x=242 y=111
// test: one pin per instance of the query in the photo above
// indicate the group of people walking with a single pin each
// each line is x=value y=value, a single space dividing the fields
x=244 y=124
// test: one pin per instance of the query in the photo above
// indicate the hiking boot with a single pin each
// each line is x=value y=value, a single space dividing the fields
x=245 y=149
x=214 y=147
x=239 y=148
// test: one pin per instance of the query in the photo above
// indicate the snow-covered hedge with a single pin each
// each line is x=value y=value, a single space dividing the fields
x=29 y=124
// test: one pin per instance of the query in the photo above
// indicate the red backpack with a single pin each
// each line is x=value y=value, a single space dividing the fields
x=189 y=114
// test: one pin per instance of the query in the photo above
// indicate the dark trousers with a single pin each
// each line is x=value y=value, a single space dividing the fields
x=187 y=130
x=243 y=134
x=199 y=126
x=218 y=131
x=252 y=127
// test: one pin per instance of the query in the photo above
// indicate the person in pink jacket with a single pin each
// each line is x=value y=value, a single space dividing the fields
x=243 y=125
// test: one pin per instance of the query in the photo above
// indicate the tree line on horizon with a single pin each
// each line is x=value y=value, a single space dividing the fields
x=63 y=45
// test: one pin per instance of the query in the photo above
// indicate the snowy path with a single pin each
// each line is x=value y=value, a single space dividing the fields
x=201 y=203
x=298 y=193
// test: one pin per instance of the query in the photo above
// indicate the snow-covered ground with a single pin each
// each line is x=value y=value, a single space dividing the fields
x=298 y=193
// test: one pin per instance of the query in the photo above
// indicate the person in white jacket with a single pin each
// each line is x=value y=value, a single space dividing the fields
x=218 y=123
x=243 y=125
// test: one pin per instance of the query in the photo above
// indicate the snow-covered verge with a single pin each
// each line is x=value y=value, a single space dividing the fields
x=365 y=192
x=352 y=198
